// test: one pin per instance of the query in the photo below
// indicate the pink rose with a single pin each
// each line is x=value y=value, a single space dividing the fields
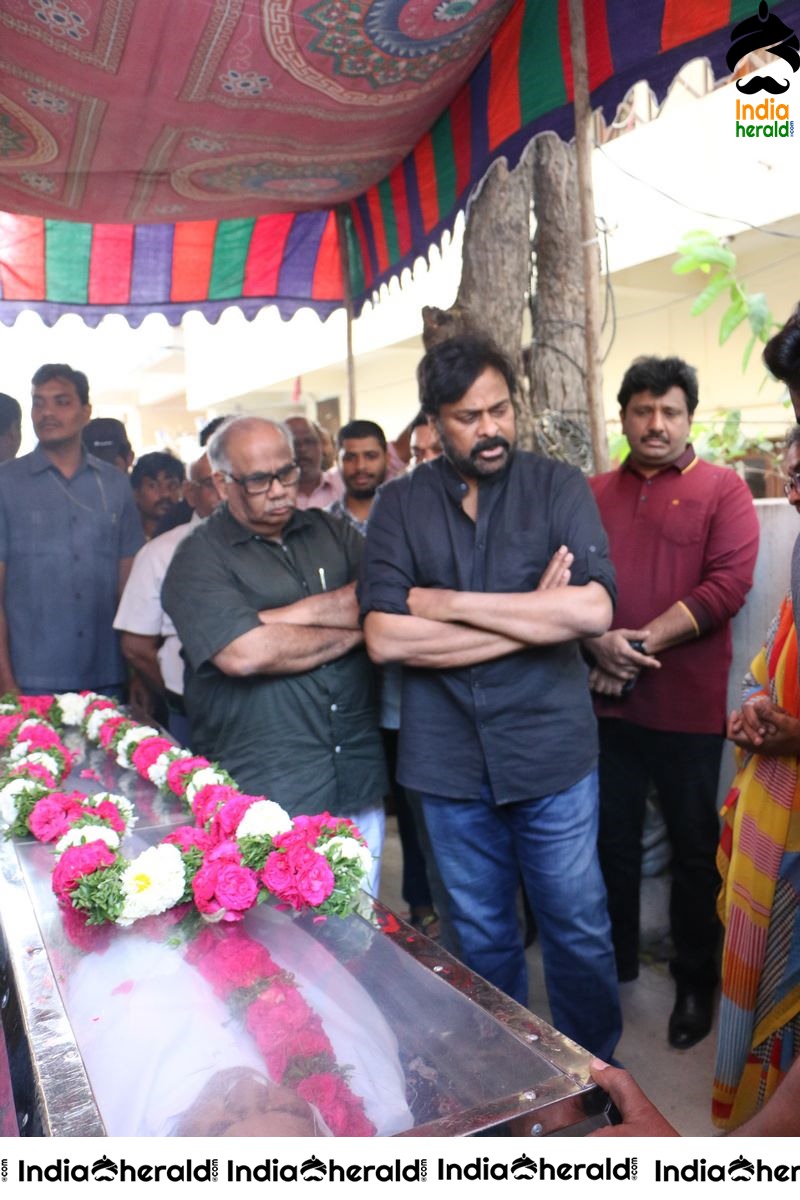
x=147 y=751
x=53 y=815
x=178 y=771
x=42 y=736
x=279 y=879
x=187 y=836
x=8 y=727
x=227 y=818
x=225 y=885
x=341 y=1110
x=77 y=862
x=209 y=798
x=236 y=888
x=34 y=771
x=298 y=875
x=40 y=705
x=230 y=961
x=225 y=852
x=95 y=705
x=204 y=887
x=315 y=880
x=109 y=812
x=110 y=727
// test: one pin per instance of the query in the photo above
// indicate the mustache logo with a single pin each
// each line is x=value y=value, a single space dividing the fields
x=763 y=30
x=762 y=83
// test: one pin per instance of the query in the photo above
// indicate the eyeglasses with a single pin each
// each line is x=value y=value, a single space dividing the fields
x=261 y=481
x=792 y=484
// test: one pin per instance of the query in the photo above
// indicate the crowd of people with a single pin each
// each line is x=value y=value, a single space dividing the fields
x=517 y=656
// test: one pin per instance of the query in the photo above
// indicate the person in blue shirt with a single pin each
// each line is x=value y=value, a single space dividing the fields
x=68 y=532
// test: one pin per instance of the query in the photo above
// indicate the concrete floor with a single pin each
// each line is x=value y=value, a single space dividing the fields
x=677 y=1081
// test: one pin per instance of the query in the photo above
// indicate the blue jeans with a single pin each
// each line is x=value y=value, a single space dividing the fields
x=482 y=849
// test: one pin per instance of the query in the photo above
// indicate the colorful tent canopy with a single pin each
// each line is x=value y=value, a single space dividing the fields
x=163 y=158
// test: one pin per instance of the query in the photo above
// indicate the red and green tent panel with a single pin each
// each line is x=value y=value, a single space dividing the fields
x=522 y=86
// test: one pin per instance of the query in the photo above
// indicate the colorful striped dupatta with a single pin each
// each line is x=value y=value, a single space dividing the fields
x=759 y=861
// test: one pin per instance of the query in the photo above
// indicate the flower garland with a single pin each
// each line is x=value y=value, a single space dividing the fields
x=241 y=849
x=289 y=1035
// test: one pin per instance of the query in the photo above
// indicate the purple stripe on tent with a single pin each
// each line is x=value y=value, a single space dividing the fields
x=212 y=310
x=634 y=35
x=151 y=276
x=418 y=236
x=479 y=95
x=296 y=276
x=369 y=234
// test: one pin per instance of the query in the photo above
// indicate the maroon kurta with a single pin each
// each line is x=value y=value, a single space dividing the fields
x=687 y=534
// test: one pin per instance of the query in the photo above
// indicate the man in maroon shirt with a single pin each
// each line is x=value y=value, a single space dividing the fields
x=684 y=538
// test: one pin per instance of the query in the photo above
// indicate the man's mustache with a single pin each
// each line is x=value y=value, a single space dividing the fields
x=762 y=83
x=489 y=444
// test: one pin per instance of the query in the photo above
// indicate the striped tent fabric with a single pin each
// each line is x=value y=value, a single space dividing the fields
x=521 y=86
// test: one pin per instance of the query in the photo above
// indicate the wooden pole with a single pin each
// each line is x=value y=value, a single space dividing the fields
x=591 y=256
x=347 y=290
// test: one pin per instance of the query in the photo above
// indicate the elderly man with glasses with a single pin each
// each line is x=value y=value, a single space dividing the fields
x=278 y=686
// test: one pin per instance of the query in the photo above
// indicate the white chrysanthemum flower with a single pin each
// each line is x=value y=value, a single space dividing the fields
x=10 y=794
x=80 y=835
x=130 y=740
x=202 y=778
x=157 y=771
x=345 y=847
x=152 y=883
x=73 y=706
x=98 y=719
x=19 y=750
x=7 y=709
x=40 y=758
x=121 y=803
x=264 y=818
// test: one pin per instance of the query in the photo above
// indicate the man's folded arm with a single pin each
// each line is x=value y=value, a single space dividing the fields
x=417 y=642
x=334 y=610
x=538 y=618
x=284 y=649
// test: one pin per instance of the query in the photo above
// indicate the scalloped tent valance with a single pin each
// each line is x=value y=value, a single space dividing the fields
x=162 y=158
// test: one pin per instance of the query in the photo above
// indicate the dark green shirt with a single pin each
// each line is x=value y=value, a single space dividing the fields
x=308 y=741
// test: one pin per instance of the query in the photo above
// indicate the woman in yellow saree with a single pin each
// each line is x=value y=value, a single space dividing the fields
x=759 y=861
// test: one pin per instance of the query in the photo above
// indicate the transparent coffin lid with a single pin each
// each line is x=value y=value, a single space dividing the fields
x=153 y=1034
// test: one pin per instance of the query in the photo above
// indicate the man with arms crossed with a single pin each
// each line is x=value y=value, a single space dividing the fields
x=497 y=734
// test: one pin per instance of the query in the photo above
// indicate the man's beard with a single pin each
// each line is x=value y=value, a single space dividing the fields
x=470 y=464
x=365 y=493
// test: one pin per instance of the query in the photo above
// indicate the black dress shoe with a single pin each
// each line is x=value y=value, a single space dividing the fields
x=691 y=1018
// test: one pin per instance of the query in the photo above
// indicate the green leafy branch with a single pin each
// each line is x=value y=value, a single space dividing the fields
x=703 y=251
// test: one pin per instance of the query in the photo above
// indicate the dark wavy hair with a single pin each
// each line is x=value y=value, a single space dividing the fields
x=657 y=376
x=150 y=466
x=61 y=371
x=450 y=368
x=361 y=429
x=782 y=353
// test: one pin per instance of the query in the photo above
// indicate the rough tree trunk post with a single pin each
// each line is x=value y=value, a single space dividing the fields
x=496 y=268
x=557 y=362
x=591 y=254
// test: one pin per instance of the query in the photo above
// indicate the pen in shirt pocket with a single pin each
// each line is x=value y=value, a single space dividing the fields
x=322 y=579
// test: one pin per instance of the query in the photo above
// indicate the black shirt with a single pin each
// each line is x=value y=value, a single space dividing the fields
x=525 y=719
x=309 y=741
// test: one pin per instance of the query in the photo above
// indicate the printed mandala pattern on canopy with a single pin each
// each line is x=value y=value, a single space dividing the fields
x=211 y=139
